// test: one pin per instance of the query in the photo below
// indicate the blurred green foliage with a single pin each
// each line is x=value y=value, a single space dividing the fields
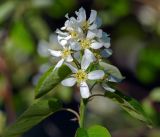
x=134 y=28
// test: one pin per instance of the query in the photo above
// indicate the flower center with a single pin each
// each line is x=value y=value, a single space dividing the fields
x=85 y=26
x=80 y=76
x=74 y=34
x=85 y=43
x=66 y=52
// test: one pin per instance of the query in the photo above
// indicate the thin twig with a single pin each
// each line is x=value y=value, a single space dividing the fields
x=76 y=62
x=95 y=95
x=92 y=86
x=8 y=95
x=72 y=111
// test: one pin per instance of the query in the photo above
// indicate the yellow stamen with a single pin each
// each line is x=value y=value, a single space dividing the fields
x=85 y=26
x=66 y=52
x=85 y=43
x=74 y=34
x=80 y=76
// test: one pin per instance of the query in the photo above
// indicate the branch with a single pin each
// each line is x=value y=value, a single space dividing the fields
x=7 y=95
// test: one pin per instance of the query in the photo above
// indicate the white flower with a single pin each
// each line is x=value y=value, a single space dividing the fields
x=88 y=44
x=81 y=76
x=65 y=55
x=85 y=24
x=43 y=45
x=71 y=31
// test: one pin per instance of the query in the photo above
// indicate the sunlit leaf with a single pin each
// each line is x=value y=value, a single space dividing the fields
x=81 y=132
x=32 y=116
x=50 y=79
x=93 y=131
x=130 y=105
x=98 y=131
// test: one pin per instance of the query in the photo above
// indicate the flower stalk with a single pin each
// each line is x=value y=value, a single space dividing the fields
x=82 y=113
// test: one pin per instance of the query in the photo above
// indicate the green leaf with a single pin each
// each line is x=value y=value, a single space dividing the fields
x=93 y=131
x=112 y=70
x=132 y=106
x=98 y=131
x=81 y=132
x=6 y=9
x=22 y=39
x=50 y=79
x=31 y=117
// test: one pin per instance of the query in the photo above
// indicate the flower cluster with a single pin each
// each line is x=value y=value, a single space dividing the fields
x=83 y=44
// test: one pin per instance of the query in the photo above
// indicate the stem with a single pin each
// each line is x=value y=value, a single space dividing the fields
x=8 y=95
x=92 y=87
x=76 y=62
x=82 y=113
x=72 y=111
x=83 y=107
x=95 y=95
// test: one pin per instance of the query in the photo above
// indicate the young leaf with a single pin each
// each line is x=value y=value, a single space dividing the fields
x=132 y=106
x=113 y=72
x=32 y=116
x=81 y=132
x=50 y=79
x=98 y=131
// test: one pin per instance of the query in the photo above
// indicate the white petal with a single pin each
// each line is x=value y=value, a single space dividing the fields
x=73 y=69
x=55 y=53
x=75 y=46
x=69 y=58
x=97 y=74
x=92 y=16
x=91 y=35
x=52 y=38
x=114 y=79
x=81 y=15
x=43 y=48
x=98 y=22
x=87 y=58
x=67 y=16
x=89 y=55
x=92 y=27
x=85 y=63
x=63 y=42
x=84 y=90
x=59 y=64
x=96 y=45
x=106 y=40
x=106 y=87
x=94 y=33
x=106 y=53
x=69 y=82
x=99 y=33
x=107 y=45
x=61 y=33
